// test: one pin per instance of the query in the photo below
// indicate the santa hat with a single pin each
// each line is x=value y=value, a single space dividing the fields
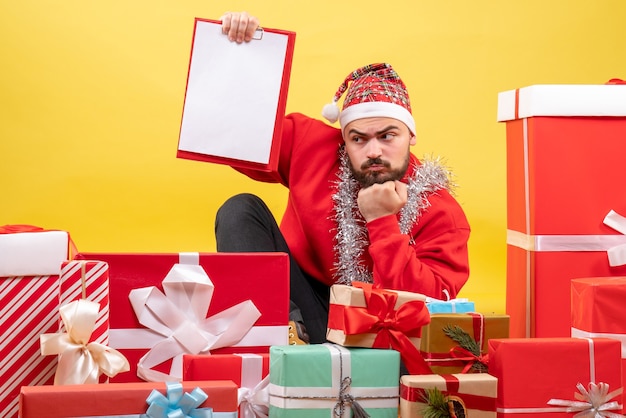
x=376 y=91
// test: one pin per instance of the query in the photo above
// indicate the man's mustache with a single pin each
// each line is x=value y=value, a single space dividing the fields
x=374 y=161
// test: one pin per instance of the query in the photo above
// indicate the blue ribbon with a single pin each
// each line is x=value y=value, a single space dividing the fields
x=178 y=404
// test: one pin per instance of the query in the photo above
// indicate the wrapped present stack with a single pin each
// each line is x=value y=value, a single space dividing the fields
x=565 y=145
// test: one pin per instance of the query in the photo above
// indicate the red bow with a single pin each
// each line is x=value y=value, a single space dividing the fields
x=390 y=325
x=616 y=81
x=14 y=229
x=467 y=356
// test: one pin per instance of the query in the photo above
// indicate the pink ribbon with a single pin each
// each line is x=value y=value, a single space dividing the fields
x=179 y=316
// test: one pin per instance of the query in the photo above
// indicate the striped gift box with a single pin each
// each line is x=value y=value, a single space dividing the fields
x=29 y=307
x=30 y=259
x=87 y=279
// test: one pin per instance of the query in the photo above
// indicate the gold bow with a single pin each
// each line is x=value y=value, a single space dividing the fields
x=79 y=360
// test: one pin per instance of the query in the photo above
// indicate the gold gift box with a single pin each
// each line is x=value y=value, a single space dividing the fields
x=436 y=346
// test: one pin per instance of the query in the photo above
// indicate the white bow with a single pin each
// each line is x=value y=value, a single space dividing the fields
x=254 y=403
x=592 y=403
x=179 y=316
x=79 y=360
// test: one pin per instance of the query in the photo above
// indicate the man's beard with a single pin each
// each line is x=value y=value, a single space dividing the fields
x=367 y=178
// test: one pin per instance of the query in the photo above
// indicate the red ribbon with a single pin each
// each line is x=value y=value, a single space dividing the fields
x=476 y=402
x=468 y=357
x=616 y=81
x=14 y=229
x=390 y=325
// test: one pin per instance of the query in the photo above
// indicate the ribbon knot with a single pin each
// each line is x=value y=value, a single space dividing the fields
x=465 y=355
x=254 y=402
x=390 y=325
x=79 y=360
x=594 y=402
x=345 y=399
x=177 y=403
x=179 y=316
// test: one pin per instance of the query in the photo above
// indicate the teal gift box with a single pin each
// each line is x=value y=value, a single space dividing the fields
x=324 y=380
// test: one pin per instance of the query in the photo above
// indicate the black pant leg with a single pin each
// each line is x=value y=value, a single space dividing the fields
x=244 y=223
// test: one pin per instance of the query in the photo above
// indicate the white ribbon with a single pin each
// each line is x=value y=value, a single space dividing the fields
x=592 y=403
x=254 y=402
x=253 y=394
x=578 y=333
x=614 y=245
x=79 y=360
x=179 y=316
x=617 y=254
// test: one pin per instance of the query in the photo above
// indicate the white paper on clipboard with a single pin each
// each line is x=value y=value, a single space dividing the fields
x=232 y=94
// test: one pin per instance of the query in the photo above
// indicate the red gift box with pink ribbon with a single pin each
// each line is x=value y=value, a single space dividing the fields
x=163 y=306
x=561 y=211
x=364 y=316
x=556 y=377
x=30 y=262
x=249 y=372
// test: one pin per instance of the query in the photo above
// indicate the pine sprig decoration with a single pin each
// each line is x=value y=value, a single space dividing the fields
x=439 y=405
x=467 y=342
x=436 y=404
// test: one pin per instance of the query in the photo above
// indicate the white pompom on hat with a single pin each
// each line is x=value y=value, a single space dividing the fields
x=376 y=91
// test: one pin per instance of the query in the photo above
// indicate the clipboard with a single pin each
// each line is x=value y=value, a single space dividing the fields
x=235 y=97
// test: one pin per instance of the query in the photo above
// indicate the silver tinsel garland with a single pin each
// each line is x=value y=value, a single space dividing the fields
x=351 y=237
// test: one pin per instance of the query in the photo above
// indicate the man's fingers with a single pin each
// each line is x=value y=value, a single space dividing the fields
x=239 y=27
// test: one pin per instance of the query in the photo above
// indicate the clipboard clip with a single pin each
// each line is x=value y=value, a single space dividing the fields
x=258 y=34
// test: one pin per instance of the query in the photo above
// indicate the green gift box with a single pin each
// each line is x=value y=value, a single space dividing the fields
x=328 y=380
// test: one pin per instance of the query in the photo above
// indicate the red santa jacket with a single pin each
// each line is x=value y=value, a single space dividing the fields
x=433 y=259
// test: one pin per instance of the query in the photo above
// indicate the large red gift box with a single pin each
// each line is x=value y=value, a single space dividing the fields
x=534 y=371
x=565 y=147
x=116 y=399
x=30 y=260
x=262 y=278
x=598 y=310
x=248 y=371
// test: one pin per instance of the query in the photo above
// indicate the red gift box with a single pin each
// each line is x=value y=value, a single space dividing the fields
x=533 y=371
x=262 y=278
x=564 y=175
x=599 y=311
x=30 y=259
x=247 y=371
x=114 y=398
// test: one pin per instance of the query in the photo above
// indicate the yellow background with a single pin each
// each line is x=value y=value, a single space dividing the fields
x=91 y=95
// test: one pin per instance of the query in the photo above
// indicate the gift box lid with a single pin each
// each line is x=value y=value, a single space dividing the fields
x=562 y=100
x=33 y=253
